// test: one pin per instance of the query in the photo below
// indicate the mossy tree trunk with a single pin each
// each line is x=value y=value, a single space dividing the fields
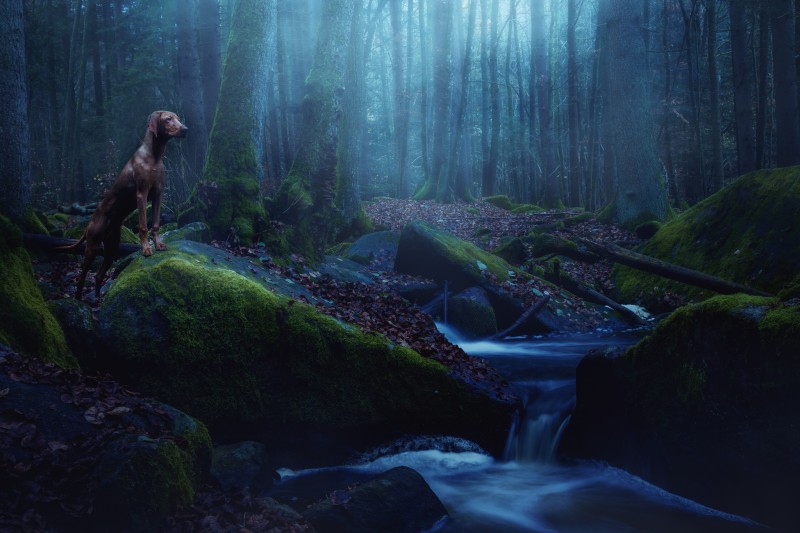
x=319 y=197
x=234 y=161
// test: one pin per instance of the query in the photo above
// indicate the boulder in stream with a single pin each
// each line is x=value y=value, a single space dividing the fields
x=704 y=407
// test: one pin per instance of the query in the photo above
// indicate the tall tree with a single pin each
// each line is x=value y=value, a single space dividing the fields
x=15 y=164
x=575 y=171
x=436 y=185
x=541 y=79
x=190 y=86
x=460 y=187
x=307 y=199
x=640 y=193
x=717 y=171
x=742 y=92
x=490 y=164
x=401 y=97
x=235 y=146
x=783 y=49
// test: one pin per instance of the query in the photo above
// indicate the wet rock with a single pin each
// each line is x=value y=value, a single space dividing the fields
x=397 y=501
x=704 y=407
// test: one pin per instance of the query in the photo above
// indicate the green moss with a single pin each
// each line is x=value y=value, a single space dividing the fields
x=527 y=208
x=745 y=233
x=26 y=324
x=472 y=259
x=512 y=251
x=502 y=201
x=647 y=229
x=240 y=358
x=141 y=482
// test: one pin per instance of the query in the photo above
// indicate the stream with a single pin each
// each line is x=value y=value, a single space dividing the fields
x=530 y=490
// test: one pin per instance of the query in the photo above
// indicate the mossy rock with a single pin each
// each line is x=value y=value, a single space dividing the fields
x=435 y=254
x=26 y=324
x=513 y=251
x=471 y=313
x=703 y=407
x=502 y=201
x=249 y=362
x=746 y=233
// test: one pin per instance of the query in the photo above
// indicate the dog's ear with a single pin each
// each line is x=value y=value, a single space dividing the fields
x=152 y=123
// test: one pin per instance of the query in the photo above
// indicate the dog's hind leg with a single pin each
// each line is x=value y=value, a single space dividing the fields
x=88 y=259
x=110 y=248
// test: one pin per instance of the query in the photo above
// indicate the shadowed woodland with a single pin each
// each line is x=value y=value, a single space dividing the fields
x=606 y=193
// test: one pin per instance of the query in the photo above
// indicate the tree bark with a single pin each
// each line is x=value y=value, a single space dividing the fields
x=640 y=194
x=717 y=172
x=15 y=176
x=783 y=48
x=235 y=145
x=742 y=91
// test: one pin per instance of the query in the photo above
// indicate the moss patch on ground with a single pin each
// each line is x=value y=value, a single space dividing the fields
x=747 y=233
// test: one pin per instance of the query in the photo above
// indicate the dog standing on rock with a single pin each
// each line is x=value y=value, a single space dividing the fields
x=142 y=179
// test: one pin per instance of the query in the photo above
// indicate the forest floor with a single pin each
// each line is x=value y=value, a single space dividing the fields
x=383 y=311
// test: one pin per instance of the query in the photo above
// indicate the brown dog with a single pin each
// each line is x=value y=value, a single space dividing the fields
x=142 y=179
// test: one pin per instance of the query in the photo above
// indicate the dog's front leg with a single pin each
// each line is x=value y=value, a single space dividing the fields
x=141 y=204
x=157 y=220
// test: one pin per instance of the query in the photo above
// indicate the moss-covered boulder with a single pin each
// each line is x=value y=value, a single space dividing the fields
x=26 y=324
x=704 y=407
x=248 y=362
x=746 y=233
x=471 y=313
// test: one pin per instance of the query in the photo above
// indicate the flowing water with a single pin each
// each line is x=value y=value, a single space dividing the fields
x=530 y=490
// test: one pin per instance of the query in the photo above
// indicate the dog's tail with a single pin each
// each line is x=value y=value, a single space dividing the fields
x=73 y=246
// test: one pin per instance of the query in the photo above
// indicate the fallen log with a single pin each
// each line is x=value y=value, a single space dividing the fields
x=591 y=252
x=46 y=243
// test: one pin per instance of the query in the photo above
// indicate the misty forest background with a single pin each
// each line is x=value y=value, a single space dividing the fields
x=636 y=106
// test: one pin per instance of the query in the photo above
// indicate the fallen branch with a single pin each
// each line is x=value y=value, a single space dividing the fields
x=591 y=252
x=531 y=311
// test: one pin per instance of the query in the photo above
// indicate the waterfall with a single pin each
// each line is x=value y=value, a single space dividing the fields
x=534 y=438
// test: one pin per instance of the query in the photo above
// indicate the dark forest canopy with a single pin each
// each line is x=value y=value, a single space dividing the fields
x=634 y=105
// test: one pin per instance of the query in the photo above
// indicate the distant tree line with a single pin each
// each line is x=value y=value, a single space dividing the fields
x=629 y=105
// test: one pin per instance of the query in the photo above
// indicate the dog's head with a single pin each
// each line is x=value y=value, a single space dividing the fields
x=166 y=123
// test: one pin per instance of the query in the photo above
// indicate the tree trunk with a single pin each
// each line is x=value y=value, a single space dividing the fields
x=236 y=141
x=189 y=79
x=640 y=193
x=462 y=189
x=490 y=166
x=400 y=98
x=762 y=113
x=742 y=93
x=717 y=171
x=575 y=170
x=15 y=177
x=787 y=127
x=318 y=180
x=209 y=54
x=540 y=73
x=436 y=185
